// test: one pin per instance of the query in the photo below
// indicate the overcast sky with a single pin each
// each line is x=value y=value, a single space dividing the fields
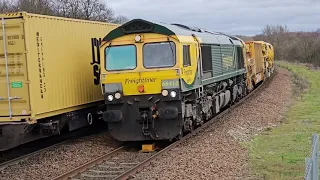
x=245 y=17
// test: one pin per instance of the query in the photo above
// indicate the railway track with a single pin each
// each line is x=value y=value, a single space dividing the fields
x=109 y=166
x=33 y=148
x=25 y=157
x=123 y=163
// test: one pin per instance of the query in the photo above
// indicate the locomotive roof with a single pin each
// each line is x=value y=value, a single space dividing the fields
x=143 y=26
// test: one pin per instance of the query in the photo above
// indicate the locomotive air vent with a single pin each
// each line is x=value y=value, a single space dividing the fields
x=137 y=26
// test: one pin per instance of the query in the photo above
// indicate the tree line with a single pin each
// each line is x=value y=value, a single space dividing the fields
x=94 y=10
x=302 y=47
x=291 y=46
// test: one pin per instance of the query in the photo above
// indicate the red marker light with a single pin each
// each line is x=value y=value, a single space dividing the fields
x=141 y=88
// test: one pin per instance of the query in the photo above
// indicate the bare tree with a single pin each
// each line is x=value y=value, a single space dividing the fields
x=84 y=9
x=120 y=19
x=5 y=6
x=34 y=6
x=68 y=8
x=277 y=35
x=95 y=10
x=309 y=45
x=293 y=46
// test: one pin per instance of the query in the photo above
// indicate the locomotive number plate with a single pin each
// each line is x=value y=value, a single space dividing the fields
x=170 y=84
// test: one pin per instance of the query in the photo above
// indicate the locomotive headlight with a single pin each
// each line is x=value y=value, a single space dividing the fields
x=173 y=94
x=138 y=38
x=165 y=93
x=110 y=98
x=117 y=95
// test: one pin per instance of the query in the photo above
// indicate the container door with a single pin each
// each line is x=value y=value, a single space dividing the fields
x=14 y=85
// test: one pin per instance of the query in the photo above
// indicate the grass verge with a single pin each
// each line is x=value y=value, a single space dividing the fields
x=280 y=153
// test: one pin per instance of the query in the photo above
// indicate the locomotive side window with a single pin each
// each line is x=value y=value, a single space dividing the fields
x=159 y=55
x=121 y=57
x=206 y=61
x=186 y=55
x=240 y=57
x=206 y=58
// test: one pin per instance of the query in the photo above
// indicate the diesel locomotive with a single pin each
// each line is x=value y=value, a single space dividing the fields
x=161 y=80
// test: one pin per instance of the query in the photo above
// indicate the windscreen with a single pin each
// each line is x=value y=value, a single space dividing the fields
x=121 y=57
x=157 y=55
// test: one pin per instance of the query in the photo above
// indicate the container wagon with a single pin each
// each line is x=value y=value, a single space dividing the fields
x=48 y=76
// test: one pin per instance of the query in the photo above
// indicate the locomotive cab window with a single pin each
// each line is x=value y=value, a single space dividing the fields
x=159 y=55
x=122 y=57
x=186 y=55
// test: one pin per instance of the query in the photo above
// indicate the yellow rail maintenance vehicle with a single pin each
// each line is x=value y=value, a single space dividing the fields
x=260 y=62
x=269 y=57
x=162 y=80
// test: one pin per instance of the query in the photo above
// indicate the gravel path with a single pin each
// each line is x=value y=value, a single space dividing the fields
x=52 y=163
x=216 y=153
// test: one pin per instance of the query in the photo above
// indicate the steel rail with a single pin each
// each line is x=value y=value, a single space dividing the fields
x=90 y=164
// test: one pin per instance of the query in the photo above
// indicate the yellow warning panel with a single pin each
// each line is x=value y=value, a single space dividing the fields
x=148 y=148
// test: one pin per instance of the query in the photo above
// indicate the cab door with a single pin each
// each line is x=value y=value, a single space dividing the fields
x=189 y=63
x=14 y=86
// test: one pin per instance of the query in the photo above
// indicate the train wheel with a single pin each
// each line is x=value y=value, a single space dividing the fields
x=197 y=122
x=181 y=134
x=192 y=126
x=210 y=114
x=187 y=124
